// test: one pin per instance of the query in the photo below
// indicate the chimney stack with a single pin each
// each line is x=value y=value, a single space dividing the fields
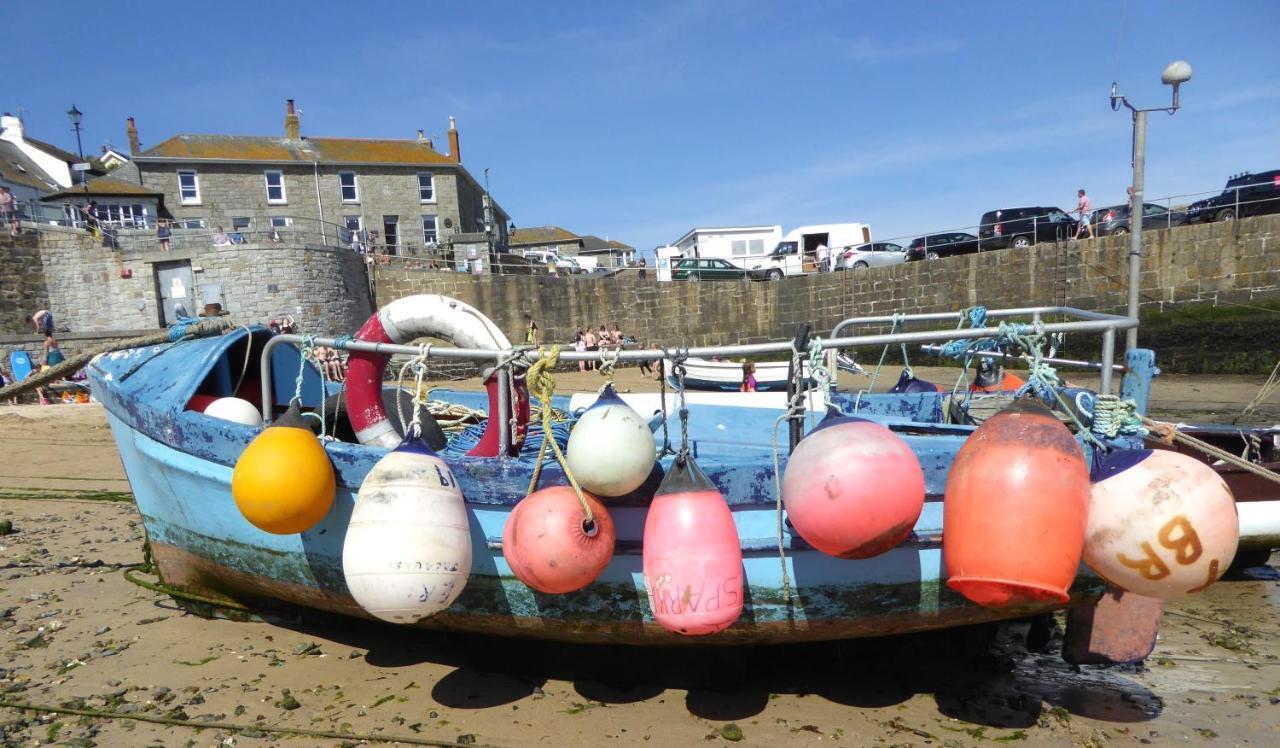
x=455 y=152
x=132 y=131
x=422 y=136
x=292 y=126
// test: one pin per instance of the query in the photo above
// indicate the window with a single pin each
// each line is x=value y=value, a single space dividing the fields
x=426 y=188
x=191 y=223
x=279 y=222
x=755 y=247
x=240 y=223
x=275 y=186
x=188 y=188
x=739 y=247
x=429 y=232
x=347 y=186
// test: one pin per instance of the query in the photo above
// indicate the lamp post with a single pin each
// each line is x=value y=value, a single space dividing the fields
x=1175 y=74
x=74 y=115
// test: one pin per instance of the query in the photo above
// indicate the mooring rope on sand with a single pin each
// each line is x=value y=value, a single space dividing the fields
x=229 y=726
x=183 y=331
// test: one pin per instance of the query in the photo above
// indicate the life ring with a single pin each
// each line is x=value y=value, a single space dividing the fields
x=427 y=316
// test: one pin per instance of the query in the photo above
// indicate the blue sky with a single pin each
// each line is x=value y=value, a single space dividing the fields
x=639 y=121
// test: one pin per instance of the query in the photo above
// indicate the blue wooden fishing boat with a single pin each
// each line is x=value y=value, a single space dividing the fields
x=179 y=462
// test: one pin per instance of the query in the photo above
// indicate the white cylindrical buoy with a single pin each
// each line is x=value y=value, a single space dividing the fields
x=407 y=554
x=234 y=409
x=1161 y=524
x=611 y=449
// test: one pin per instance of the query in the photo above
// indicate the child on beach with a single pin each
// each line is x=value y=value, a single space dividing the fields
x=748 y=377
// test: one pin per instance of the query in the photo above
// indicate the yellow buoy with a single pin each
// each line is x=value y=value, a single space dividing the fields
x=283 y=482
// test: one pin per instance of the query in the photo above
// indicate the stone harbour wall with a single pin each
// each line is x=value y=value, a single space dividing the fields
x=1214 y=265
x=92 y=288
x=22 y=284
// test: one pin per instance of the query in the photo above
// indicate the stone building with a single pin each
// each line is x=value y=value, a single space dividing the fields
x=118 y=203
x=609 y=253
x=403 y=194
x=31 y=168
x=545 y=238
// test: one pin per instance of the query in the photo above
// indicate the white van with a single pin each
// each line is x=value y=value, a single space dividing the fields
x=548 y=257
x=797 y=254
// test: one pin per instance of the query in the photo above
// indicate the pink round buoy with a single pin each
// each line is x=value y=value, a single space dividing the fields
x=692 y=556
x=853 y=488
x=1161 y=524
x=550 y=548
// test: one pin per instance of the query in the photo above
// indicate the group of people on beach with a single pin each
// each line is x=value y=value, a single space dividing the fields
x=588 y=340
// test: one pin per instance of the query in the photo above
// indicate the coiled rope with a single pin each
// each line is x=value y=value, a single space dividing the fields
x=542 y=385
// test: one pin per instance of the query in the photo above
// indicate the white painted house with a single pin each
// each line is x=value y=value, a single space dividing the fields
x=737 y=244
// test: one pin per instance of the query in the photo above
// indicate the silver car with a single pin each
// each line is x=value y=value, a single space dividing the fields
x=870 y=255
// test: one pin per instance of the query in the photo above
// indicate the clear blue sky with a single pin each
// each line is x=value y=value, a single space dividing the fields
x=639 y=121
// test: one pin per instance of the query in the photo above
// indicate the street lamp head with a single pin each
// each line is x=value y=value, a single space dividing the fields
x=1176 y=73
x=1115 y=97
x=75 y=115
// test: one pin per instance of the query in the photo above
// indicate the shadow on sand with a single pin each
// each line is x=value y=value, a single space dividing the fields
x=982 y=675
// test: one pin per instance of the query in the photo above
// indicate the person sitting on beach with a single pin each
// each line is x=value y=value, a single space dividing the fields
x=748 y=377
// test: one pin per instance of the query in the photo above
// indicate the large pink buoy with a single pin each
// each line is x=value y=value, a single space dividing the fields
x=853 y=488
x=551 y=547
x=692 y=556
x=1161 y=524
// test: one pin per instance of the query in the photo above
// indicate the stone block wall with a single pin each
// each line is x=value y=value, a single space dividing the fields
x=91 y=288
x=22 y=283
x=1223 y=264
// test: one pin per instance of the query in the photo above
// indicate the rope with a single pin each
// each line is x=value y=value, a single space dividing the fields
x=229 y=726
x=793 y=410
x=1114 y=417
x=542 y=385
x=1264 y=392
x=1169 y=433
x=898 y=320
x=608 y=360
x=307 y=351
x=205 y=327
x=248 y=348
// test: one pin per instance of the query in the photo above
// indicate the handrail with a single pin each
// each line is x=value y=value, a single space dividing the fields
x=1107 y=324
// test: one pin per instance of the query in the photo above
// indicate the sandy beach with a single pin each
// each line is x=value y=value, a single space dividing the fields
x=79 y=636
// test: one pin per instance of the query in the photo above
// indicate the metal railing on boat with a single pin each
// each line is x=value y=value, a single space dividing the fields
x=1085 y=322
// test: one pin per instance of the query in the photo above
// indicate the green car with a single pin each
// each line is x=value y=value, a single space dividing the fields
x=693 y=269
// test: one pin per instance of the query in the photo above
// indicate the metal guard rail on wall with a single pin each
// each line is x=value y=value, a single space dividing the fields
x=1086 y=322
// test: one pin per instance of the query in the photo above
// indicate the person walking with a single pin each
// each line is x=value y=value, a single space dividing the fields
x=824 y=258
x=530 y=330
x=1083 y=208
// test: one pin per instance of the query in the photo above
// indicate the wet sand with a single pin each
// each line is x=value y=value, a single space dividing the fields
x=77 y=634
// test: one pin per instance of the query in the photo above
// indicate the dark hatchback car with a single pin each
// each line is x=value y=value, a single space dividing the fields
x=706 y=268
x=1022 y=227
x=1245 y=195
x=1115 y=220
x=936 y=246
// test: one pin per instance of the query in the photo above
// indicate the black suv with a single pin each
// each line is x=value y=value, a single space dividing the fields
x=1114 y=221
x=1022 y=227
x=1245 y=195
x=936 y=246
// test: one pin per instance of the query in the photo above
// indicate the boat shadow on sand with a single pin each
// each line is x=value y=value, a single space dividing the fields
x=983 y=675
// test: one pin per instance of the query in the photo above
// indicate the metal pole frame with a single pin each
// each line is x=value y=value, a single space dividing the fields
x=1086 y=321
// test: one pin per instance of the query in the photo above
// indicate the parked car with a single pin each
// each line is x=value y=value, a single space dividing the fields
x=1022 y=227
x=547 y=257
x=1245 y=195
x=1115 y=220
x=870 y=255
x=706 y=268
x=936 y=246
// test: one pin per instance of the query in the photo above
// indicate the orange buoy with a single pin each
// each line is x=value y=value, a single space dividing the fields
x=1015 y=509
x=853 y=488
x=1161 y=524
x=692 y=556
x=549 y=544
x=283 y=482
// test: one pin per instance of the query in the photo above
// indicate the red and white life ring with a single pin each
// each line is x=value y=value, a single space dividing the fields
x=426 y=316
